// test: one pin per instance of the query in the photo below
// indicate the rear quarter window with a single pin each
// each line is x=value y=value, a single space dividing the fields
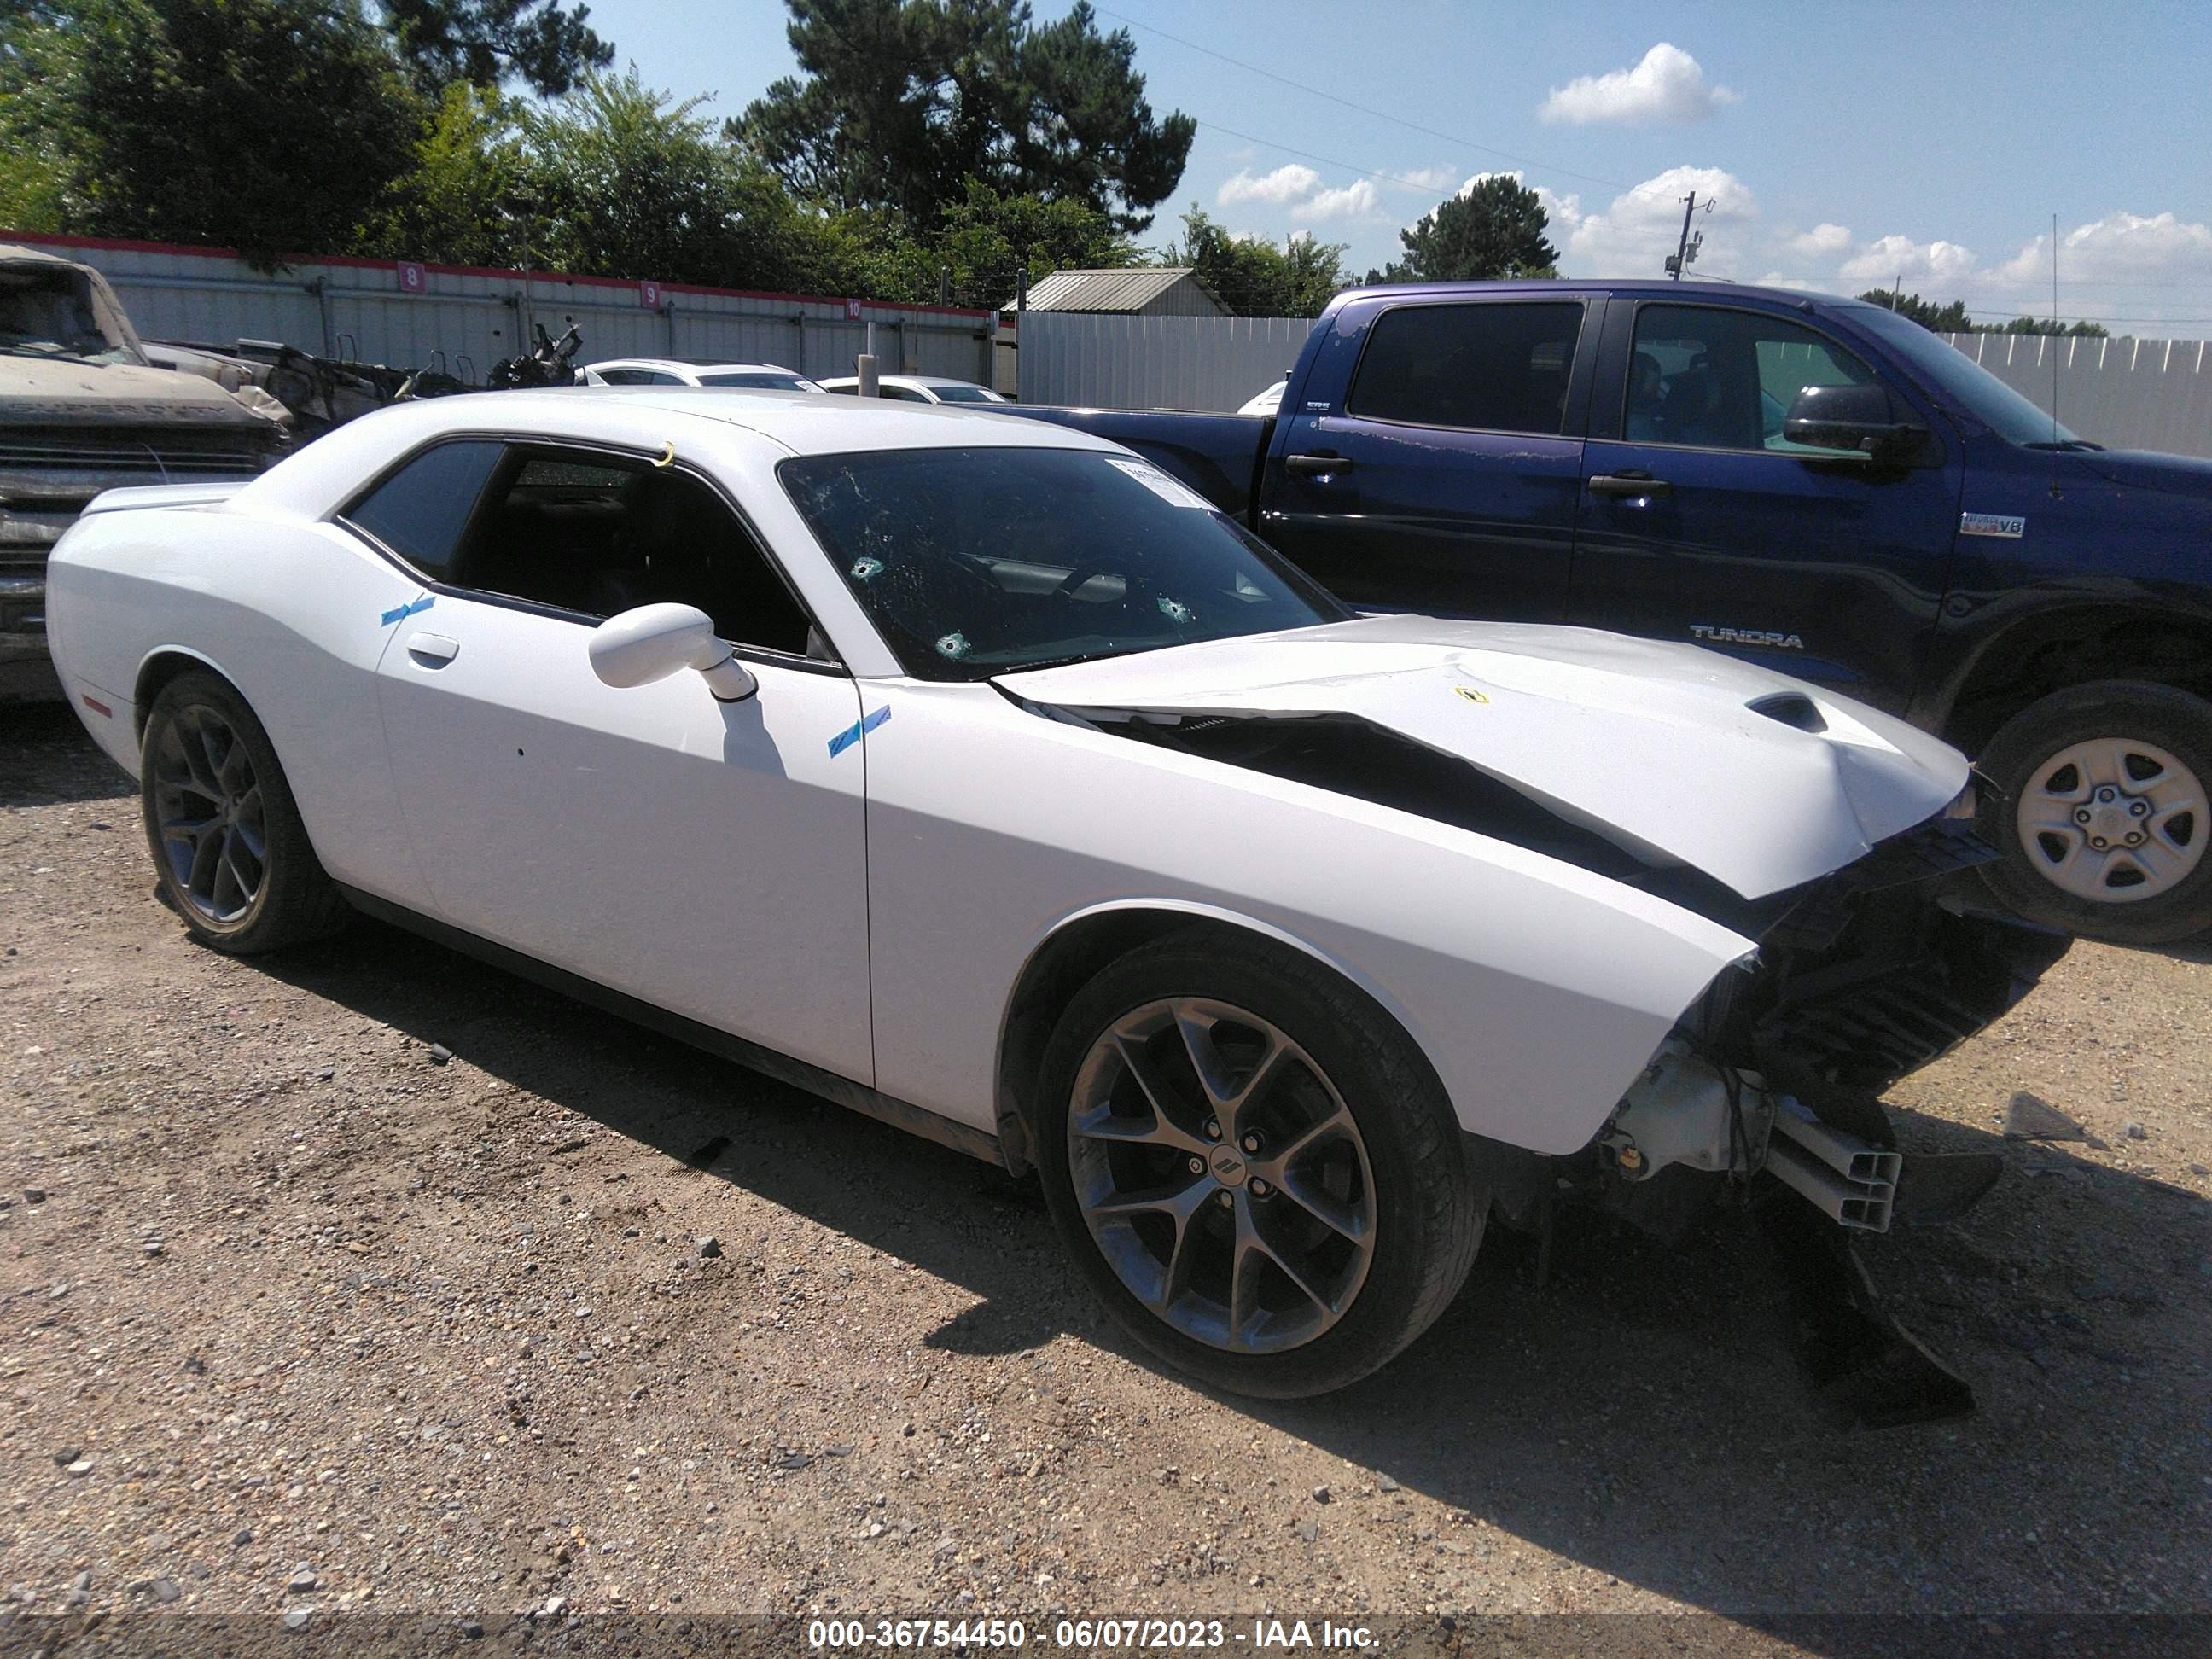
x=1498 y=367
x=421 y=510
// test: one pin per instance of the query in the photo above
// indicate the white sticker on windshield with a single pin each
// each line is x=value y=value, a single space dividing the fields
x=1173 y=493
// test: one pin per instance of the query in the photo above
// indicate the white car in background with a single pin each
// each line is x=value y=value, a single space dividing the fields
x=917 y=389
x=697 y=371
x=976 y=774
x=1265 y=403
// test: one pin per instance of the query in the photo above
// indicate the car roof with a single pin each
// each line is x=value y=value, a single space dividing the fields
x=1641 y=286
x=701 y=365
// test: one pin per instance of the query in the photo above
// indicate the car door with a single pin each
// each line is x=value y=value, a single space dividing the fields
x=1443 y=478
x=709 y=858
x=1701 y=522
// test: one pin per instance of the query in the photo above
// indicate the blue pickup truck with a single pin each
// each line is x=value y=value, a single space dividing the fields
x=1815 y=483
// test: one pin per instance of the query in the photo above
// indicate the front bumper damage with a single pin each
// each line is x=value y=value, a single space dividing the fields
x=1771 y=1088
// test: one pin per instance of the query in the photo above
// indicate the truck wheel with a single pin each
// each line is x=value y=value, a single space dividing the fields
x=2099 y=811
x=233 y=857
x=1254 y=1167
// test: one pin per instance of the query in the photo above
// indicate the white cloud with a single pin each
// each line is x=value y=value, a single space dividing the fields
x=1358 y=200
x=2120 y=247
x=1425 y=178
x=1666 y=86
x=1303 y=191
x=1823 y=242
x=1286 y=184
x=1639 y=228
x=1890 y=258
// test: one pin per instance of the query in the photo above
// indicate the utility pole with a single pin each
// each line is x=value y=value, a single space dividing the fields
x=1686 y=250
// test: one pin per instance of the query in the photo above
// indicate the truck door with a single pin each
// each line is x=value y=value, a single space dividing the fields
x=1442 y=477
x=1701 y=522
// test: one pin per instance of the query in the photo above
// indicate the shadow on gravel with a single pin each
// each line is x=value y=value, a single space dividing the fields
x=1641 y=1414
x=45 y=758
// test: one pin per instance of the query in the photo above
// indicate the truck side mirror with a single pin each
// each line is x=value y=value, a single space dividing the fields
x=1857 y=420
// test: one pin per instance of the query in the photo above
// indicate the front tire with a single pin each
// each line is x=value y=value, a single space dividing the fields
x=2101 y=812
x=231 y=855
x=1254 y=1166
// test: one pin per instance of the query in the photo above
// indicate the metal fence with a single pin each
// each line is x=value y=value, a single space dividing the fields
x=2125 y=393
x=464 y=319
x=1154 y=363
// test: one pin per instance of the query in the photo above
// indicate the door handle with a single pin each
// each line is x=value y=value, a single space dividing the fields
x=432 y=650
x=1319 y=464
x=1633 y=482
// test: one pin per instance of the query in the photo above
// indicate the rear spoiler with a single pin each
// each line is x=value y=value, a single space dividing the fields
x=137 y=497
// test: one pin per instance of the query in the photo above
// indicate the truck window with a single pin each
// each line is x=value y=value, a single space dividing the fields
x=1716 y=379
x=1500 y=367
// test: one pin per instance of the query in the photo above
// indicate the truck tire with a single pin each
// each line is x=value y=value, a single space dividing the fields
x=232 y=856
x=1254 y=1166
x=2098 y=807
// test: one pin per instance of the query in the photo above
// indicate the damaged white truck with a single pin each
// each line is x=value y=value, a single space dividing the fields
x=979 y=776
x=82 y=410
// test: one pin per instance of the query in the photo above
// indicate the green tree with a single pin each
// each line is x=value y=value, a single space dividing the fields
x=458 y=202
x=2083 y=330
x=900 y=102
x=270 y=125
x=1950 y=319
x=616 y=179
x=1253 y=278
x=987 y=238
x=1491 y=231
x=488 y=42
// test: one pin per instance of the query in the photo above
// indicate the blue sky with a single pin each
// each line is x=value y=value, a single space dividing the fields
x=1843 y=144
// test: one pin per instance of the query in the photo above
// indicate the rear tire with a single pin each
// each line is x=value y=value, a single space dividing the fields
x=2099 y=810
x=229 y=850
x=1280 y=1287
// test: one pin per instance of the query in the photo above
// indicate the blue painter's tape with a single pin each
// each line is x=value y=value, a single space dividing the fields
x=407 y=610
x=853 y=733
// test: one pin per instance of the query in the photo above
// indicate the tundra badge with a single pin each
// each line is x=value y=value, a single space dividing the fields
x=1706 y=633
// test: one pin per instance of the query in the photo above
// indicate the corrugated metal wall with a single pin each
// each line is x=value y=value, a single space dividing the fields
x=2125 y=393
x=1155 y=362
x=360 y=310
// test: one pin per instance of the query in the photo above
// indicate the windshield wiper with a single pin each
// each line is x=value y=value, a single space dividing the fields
x=2072 y=445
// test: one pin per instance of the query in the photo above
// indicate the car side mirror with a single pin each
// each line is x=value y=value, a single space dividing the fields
x=653 y=642
x=1857 y=420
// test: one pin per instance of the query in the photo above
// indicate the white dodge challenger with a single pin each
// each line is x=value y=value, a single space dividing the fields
x=977 y=775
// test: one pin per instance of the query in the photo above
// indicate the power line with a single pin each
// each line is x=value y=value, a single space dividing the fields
x=1364 y=109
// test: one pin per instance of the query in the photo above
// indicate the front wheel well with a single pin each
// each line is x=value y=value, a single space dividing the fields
x=1061 y=966
x=2076 y=648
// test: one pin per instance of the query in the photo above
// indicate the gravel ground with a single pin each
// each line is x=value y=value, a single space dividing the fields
x=294 y=1313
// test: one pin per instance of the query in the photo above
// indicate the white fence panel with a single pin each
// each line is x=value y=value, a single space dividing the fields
x=465 y=320
x=2124 y=392
x=1155 y=362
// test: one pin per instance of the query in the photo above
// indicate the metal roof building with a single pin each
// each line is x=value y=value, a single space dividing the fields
x=1144 y=291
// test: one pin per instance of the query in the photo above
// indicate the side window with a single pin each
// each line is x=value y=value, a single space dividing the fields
x=421 y=510
x=1501 y=367
x=624 y=376
x=598 y=534
x=659 y=378
x=904 y=394
x=1725 y=380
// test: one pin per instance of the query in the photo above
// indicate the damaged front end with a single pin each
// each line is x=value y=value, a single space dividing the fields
x=1770 y=1089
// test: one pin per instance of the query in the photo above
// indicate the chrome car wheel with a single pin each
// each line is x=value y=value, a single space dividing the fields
x=2114 y=820
x=208 y=815
x=1221 y=1174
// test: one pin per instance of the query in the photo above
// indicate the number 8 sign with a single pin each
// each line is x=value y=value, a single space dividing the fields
x=413 y=279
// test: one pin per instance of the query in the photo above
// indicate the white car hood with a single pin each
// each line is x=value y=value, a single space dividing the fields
x=1654 y=746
